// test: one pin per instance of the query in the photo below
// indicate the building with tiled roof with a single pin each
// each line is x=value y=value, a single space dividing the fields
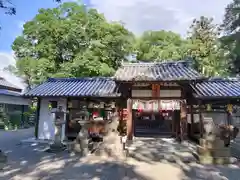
x=168 y=91
x=12 y=103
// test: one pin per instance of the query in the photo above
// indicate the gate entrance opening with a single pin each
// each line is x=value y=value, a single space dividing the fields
x=162 y=123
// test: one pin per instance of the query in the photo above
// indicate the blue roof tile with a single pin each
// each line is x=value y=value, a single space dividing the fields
x=9 y=93
x=217 y=89
x=164 y=71
x=84 y=87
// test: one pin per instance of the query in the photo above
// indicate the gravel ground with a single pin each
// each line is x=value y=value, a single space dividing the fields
x=28 y=161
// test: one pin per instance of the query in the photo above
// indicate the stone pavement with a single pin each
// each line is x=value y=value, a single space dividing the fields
x=30 y=162
x=171 y=160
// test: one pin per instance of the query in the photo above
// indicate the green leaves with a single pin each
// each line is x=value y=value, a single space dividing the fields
x=231 y=40
x=159 y=46
x=70 y=41
x=205 y=47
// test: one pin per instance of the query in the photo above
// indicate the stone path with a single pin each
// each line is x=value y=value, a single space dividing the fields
x=166 y=158
x=30 y=162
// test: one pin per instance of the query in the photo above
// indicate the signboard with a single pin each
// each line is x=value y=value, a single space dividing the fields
x=155 y=105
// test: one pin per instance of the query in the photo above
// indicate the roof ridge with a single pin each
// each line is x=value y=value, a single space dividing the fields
x=157 y=62
x=223 y=79
x=79 y=79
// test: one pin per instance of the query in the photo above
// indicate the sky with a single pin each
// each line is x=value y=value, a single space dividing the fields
x=137 y=15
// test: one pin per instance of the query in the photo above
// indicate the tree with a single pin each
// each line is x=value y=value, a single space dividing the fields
x=8 y=7
x=231 y=39
x=159 y=45
x=70 y=41
x=205 y=48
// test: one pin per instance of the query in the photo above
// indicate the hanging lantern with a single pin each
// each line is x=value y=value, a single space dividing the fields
x=230 y=108
x=209 y=108
x=160 y=110
x=140 y=109
x=113 y=105
x=70 y=104
x=50 y=106
x=135 y=105
x=101 y=104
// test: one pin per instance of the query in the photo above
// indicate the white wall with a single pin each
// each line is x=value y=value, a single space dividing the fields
x=163 y=93
x=170 y=93
x=218 y=118
x=141 y=93
x=46 y=127
x=14 y=100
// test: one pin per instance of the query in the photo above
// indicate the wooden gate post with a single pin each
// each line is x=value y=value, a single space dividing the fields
x=129 y=120
x=183 y=119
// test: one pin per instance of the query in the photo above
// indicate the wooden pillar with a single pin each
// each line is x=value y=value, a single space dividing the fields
x=200 y=119
x=229 y=114
x=22 y=115
x=173 y=123
x=192 y=120
x=129 y=120
x=183 y=119
x=155 y=90
x=37 y=117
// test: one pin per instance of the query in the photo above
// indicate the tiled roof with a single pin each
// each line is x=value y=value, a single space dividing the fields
x=166 y=71
x=9 y=93
x=85 y=87
x=5 y=83
x=217 y=89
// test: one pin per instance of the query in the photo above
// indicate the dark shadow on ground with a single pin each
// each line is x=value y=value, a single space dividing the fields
x=29 y=161
x=210 y=172
x=158 y=149
x=162 y=150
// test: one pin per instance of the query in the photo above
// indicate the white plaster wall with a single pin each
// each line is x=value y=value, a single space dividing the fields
x=163 y=93
x=46 y=127
x=141 y=93
x=218 y=118
x=170 y=93
x=14 y=100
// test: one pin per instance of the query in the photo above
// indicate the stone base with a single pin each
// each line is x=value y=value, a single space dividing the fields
x=212 y=150
x=3 y=160
x=221 y=152
x=214 y=160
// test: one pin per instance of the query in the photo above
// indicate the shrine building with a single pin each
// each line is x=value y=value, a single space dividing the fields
x=156 y=96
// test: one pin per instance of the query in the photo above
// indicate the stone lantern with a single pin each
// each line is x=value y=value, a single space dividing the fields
x=81 y=145
x=59 y=121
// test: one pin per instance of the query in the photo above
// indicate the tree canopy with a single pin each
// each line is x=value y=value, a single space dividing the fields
x=231 y=38
x=70 y=41
x=159 y=46
x=205 y=47
x=202 y=46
